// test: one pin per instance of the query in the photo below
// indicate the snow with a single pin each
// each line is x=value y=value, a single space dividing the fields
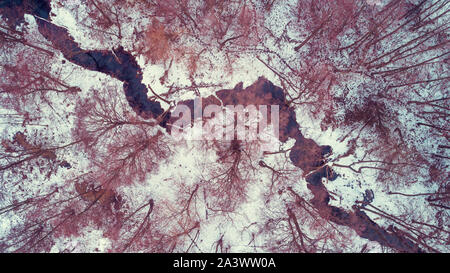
x=189 y=161
x=89 y=241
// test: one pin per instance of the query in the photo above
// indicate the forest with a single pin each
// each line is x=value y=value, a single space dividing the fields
x=89 y=98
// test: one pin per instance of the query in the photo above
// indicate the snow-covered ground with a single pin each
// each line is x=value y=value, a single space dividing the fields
x=189 y=162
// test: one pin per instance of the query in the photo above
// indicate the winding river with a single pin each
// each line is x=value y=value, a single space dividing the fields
x=305 y=154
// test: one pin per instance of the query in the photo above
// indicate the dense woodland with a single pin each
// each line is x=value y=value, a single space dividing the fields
x=87 y=162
